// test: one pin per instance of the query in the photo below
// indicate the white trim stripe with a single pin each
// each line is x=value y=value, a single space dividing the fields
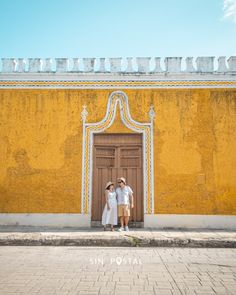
x=116 y=83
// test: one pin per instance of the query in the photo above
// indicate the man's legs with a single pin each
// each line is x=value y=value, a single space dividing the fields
x=122 y=221
x=126 y=220
x=127 y=215
x=121 y=216
x=124 y=216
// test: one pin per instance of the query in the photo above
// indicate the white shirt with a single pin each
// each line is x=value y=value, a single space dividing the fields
x=123 y=195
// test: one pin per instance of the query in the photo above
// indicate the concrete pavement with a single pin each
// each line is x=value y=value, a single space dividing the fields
x=91 y=270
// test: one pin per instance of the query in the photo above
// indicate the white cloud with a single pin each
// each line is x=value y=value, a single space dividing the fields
x=229 y=10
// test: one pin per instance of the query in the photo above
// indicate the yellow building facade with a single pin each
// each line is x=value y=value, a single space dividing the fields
x=188 y=128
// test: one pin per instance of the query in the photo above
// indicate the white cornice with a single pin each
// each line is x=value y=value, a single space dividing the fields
x=119 y=80
x=121 y=76
x=119 y=73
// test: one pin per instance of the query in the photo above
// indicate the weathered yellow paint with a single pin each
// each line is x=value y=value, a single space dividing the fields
x=194 y=147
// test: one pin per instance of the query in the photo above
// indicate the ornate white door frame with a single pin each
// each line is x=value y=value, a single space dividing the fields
x=121 y=99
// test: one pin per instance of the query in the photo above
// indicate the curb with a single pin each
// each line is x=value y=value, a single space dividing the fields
x=123 y=241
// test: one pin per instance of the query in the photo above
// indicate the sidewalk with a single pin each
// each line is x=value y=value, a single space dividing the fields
x=25 y=235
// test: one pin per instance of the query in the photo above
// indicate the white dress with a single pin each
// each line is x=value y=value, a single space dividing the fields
x=110 y=216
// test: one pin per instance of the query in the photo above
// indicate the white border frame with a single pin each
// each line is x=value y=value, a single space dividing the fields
x=89 y=129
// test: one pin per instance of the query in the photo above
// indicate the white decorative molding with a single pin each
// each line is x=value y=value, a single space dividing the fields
x=115 y=82
x=45 y=219
x=117 y=98
x=84 y=114
x=161 y=221
x=151 y=113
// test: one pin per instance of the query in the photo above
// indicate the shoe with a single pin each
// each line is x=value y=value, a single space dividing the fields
x=121 y=229
x=126 y=228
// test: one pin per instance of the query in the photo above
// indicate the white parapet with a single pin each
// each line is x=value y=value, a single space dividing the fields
x=76 y=63
x=189 y=64
x=8 y=65
x=129 y=64
x=232 y=63
x=62 y=64
x=47 y=65
x=35 y=65
x=89 y=64
x=102 y=67
x=143 y=64
x=115 y=64
x=157 y=67
x=222 y=64
x=173 y=64
x=20 y=65
x=205 y=64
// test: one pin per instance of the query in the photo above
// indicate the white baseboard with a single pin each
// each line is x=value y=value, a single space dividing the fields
x=45 y=219
x=190 y=221
x=150 y=220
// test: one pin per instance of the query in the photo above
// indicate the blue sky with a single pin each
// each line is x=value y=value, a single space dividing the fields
x=118 y=28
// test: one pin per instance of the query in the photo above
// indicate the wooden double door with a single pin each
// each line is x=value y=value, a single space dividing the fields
x=114 y=156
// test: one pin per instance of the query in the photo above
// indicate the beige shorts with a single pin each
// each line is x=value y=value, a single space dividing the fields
x=123 y=210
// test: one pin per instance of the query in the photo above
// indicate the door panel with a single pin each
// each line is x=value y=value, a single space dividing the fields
x=116 y=155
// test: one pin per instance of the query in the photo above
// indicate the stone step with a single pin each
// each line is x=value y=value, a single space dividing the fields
x=37 y=236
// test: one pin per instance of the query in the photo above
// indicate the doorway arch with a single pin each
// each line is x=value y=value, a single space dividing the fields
x=115 y=100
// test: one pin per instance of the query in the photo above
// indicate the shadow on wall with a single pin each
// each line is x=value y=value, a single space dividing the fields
x=30 y=190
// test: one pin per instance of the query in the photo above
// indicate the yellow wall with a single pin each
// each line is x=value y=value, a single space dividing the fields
x=194 y=147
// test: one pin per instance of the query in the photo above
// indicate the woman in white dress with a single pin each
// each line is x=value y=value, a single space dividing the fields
x=109 y=215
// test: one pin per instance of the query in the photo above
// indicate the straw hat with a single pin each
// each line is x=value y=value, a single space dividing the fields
x=108 y=184
x=122 y=179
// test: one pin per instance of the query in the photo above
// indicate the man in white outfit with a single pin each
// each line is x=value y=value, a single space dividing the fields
x=125 y=202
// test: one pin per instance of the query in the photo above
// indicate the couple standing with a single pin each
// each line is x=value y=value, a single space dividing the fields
x=121 y=196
